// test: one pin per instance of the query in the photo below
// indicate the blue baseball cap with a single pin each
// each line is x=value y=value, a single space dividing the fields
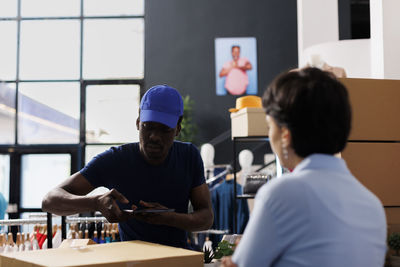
x=162 y=104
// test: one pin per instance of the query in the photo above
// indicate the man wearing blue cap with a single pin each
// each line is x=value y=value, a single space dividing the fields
x=155 y=173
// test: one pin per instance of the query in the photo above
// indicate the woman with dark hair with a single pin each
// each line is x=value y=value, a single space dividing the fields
x=319 y=214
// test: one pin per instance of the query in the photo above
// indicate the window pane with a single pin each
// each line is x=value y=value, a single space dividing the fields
x=8 y=8
x=8 y=51
x=48 y=113
x=113 y=8
x=7 y=113
x=50 y=8
x=40 y=174
x=113 y=48
x=111 y=112
x=5 y=176
x=92 y=150
x=50 y=49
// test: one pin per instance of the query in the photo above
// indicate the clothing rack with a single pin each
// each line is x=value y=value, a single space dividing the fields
x=16 y=222
x=85 y=219
x=48 y=221
x=219 y=175
x=71 y=219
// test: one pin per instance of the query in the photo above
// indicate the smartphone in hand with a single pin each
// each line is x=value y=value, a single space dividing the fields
x=149 y=210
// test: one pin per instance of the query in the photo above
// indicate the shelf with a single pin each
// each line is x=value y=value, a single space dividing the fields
x=236 y=140
x=245 y=196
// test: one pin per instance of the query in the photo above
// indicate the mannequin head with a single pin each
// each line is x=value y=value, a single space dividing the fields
x=245 y=159
x=207 y=153
x=316 y=61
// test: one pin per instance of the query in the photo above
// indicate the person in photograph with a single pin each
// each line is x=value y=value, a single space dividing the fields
x=155 y=173
x=235 y=71
x=318 y=214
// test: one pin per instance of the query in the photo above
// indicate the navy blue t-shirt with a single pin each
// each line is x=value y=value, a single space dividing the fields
x=169 y=184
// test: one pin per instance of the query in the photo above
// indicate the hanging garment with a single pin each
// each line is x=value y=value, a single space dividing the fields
x=102 y=240
x=113 y=236
x=57 y=238
x=44 y=245
x=21 y=245
x=43 y=238
x=222 y=199
x=31 y=235
x=95 y=238
x=27 y=243
x=35 y=243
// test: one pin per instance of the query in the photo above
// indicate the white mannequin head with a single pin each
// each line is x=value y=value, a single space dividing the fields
x=245 y=159
x=207 y=153
x=316 y=61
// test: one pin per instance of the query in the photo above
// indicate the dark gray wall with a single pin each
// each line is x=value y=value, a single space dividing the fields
x=179 y=51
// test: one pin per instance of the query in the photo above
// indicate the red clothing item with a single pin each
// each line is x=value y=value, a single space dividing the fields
x=38 y=235
x=42 y=239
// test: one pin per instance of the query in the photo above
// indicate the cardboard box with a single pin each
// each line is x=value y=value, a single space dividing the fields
x=376 y=166
x=376 y=108
x=130 y=253
x=249 y=122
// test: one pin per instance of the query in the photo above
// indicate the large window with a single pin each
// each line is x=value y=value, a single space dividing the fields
x=41 y=173
x=71 y=74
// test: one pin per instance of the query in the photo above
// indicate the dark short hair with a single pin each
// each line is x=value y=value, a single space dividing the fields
x=233 y=46
x=314 y=106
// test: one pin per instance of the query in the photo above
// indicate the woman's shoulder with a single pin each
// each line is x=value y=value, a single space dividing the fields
x=287 y=186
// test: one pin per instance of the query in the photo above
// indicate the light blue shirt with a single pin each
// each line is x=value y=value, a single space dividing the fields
x=318 y=215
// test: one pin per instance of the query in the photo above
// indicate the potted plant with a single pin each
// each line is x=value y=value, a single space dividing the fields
x=189 y=129
x=223 y=249
x=394 y=244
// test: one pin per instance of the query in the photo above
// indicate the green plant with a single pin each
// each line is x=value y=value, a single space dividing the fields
x=394 y=242
x=208 y=255
x=189 y=129
x=223 y=249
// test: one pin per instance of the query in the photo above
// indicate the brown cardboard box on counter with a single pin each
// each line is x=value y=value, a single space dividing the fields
x=130 y=253
x=249 y=122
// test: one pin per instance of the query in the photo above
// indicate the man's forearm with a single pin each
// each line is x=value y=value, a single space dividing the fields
x=199 y=220
x=60 y=202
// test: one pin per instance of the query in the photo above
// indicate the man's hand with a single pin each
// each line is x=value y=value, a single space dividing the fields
x=153 y=218
x=107 y=205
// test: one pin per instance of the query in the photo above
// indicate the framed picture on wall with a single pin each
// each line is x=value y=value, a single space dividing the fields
x=236 y=66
